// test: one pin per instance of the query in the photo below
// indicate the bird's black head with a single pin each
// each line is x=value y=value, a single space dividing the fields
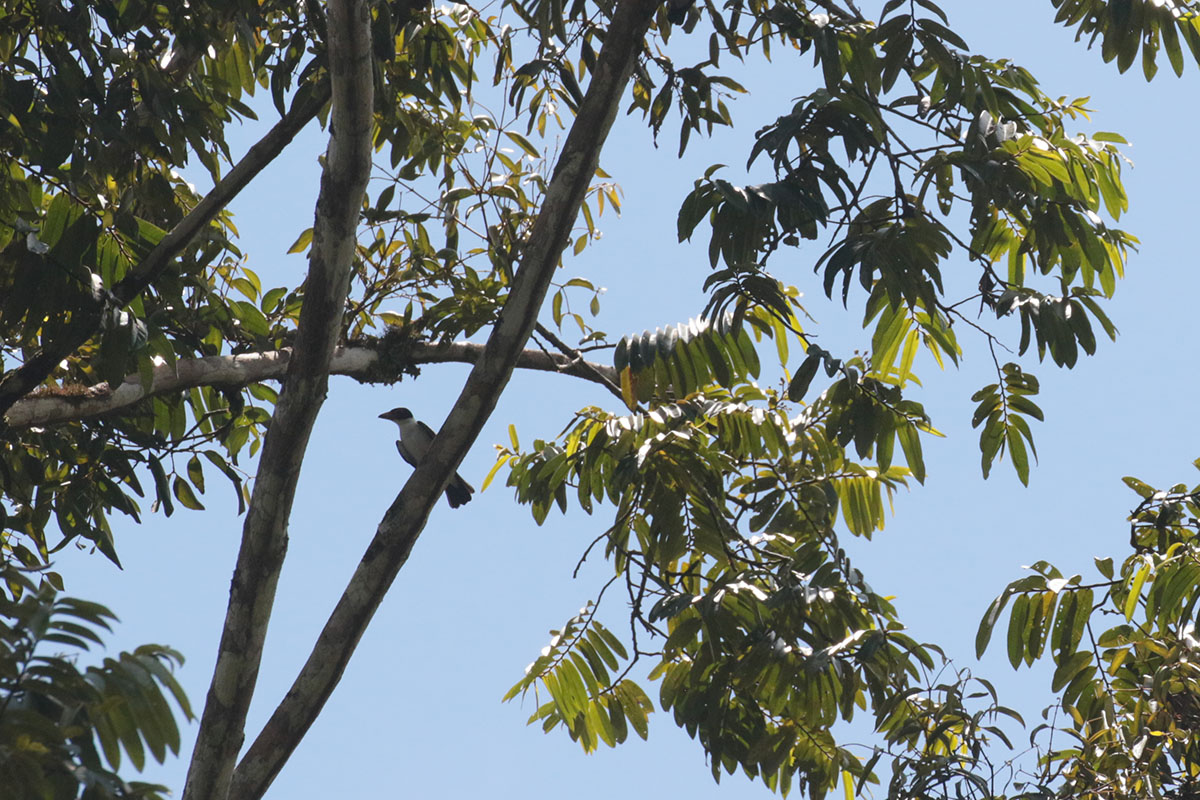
x=397 y=414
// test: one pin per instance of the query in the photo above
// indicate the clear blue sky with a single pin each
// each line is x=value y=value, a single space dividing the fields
x=418 y=712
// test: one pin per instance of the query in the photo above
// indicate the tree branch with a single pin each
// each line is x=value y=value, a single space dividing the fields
x=36 y=369
x=264 y=535
x=404 y=520
x=609 y=377
x=356 y=361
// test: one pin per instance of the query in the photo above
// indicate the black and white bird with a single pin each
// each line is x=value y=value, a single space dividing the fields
x=413 y=444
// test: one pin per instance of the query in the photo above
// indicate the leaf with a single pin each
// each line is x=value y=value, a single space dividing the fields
x=523 y=143
x=990 y=441
x=183 y=493
x=1064 y=624
x=1020 y=457
x=910 y=443
x=302 y=242
x=988 y=623
x=1069 y=668
x=798 y=386
x=1135 y=590
x=942 y=32
x=1016 y=630
x=500 y=462
x=196 y=473
x=162 y=488
x=1026 y=406
x=1144 y=491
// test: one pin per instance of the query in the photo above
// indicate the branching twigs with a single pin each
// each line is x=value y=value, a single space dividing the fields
x=404 y=520
x=607 y=377
x=357 y=361
x=264 y=537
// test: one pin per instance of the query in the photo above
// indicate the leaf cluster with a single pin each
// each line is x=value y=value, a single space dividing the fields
x=723 y=538
x=1123 y=648
x=906 y=131
x=64 y=728
x=1123 y=28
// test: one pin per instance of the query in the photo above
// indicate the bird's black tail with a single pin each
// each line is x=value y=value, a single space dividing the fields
x=458 y=492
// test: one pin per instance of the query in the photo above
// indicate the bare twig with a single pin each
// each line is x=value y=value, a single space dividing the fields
x=610 y=380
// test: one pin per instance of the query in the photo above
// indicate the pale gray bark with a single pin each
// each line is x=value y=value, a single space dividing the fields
x=407 y=515
x=264 y=535
x=361 y=362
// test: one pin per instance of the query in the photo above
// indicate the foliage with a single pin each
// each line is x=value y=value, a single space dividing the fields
x=104 y=105
x=1123 y=647
x=63 y=728
x=905 y=154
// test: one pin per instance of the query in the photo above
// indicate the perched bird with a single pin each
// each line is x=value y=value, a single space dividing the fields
x=413 y=444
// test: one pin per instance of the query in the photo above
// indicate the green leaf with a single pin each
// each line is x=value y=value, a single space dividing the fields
x=1020 y=457
x=196 y=473
x=988 y=623
x=942 y=32
x=990 y=441
x=1017 y=626
x=523 y=143
x=798 y=386
x=1069 y=668
x=183 y=493
x=302 y=242
x=1144 y=491
x=1135 y=590
x=1064 y=624
x=910 y=443
x=162 y=489
x=1026 y=406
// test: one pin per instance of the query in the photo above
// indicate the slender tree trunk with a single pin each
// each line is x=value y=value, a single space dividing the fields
x=406 y=517
x=264 y=536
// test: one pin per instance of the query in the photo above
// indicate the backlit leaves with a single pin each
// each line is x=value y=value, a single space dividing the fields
x=62 y=725
x=580 y=671
x=1001 y=414
x=1122 y=649
x=1122 y=28
x=683 y=359
x=723 y=532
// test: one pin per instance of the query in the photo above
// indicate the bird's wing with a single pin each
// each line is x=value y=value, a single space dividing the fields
x=407 y=456
x=425 y=429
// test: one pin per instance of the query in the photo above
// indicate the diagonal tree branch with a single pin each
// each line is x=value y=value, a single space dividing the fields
x=404 y=520
x=35 y=370
x=264 y=535
x=357 y=361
